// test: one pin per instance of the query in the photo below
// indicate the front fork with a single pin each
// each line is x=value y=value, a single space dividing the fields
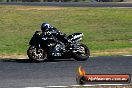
x=38 y=47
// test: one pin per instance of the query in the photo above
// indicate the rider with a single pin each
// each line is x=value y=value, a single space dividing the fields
x=45 y=27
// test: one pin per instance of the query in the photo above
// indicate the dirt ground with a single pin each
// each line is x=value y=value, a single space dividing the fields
x=39 y=8
x=13 y=56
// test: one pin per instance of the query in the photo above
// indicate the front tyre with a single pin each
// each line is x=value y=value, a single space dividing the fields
x=37 y=55
x=83 y=53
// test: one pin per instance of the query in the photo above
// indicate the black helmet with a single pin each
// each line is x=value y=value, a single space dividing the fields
x=45 y=26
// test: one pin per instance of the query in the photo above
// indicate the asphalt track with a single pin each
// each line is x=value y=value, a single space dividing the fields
x=69 y=4
x=16 y=73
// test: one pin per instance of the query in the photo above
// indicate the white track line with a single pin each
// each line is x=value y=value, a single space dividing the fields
x=127 y=55
x=35 y=87
x=89 y=85
x=56 y=86
x=100 y=85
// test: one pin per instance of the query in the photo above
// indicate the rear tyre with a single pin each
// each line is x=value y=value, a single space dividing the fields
x=83 y=54
x=81 y=80
x=36 y=55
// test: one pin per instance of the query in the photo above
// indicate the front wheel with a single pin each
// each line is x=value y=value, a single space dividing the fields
x=35 y=54
x=83 y=53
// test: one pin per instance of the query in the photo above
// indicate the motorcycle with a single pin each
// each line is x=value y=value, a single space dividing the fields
x=43 y=47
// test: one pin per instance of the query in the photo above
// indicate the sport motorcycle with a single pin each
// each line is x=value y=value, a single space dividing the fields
x=43 y=47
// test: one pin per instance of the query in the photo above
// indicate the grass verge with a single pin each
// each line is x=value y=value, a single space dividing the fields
x=107 y=31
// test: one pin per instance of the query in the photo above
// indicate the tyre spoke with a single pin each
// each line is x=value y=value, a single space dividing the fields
x=37 y=54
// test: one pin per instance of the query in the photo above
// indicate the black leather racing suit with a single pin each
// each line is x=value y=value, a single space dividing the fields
x=56 y=33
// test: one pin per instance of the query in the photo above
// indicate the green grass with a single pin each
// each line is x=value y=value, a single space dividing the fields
x=103 y=28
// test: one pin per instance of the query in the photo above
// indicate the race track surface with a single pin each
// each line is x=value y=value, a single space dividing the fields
x=69 y=4
x=15 y=73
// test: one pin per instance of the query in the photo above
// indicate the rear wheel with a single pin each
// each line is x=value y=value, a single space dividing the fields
x=83 y=53
x=37 y=55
